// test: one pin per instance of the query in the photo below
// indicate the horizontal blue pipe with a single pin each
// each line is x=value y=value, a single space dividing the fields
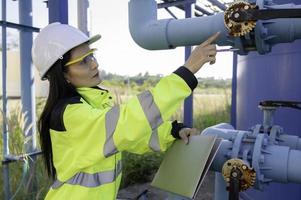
x=175 y=3
x=19 y=26
x=151 y=33
x=278 y=163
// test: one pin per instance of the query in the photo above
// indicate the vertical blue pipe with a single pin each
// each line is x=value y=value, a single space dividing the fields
x=28 y=91
x=220 y=192
x=27 y=75
x=188 y=103
x=58 y=11
x=234 y=90
x=6 y=186
x=82 y=9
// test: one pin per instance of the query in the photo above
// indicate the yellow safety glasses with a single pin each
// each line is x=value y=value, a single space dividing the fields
x=85 y=59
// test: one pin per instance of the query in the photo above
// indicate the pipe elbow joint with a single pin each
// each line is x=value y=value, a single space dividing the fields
x=151 y=35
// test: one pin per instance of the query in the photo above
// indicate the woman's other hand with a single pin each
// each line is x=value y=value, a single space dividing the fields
x=184 y=134
x=202 y=54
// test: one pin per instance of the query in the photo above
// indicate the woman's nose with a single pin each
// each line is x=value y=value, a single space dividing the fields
x=94 y=64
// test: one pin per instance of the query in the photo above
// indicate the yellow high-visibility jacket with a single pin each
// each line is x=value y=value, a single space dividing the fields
x=89 y=132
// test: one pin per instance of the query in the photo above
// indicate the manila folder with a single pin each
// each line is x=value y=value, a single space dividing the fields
x=185 y=166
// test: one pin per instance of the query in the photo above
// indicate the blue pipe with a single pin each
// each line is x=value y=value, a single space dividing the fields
x=271 y=162
x=58 y=11
x=150 y=33
x=27 y=76
x=28 y=91
x=188 y=103
x=153 y=34
x=178 y=3
x=234 y=90
x=82 y=9
x=220 y=192
x=19 y=26
x=6 y=186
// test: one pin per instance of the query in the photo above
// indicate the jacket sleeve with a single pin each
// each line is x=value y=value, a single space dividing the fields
x=140 y=125
x=143 y=123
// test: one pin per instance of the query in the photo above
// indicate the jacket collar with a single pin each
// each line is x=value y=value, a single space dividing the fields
x=96 y=96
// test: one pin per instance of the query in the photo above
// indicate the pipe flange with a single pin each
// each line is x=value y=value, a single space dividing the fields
x=237 y=144
x=261 y=33
x=238 y=28
x=258 y=159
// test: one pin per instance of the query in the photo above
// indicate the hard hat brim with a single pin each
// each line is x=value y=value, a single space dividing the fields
x=94 y=38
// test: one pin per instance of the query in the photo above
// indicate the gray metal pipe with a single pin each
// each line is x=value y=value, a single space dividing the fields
x=6 y=185
x=227 y=132
x=151 y=33
x=294 y=163
x=292 y=141
x=194 y=31
x=283 y=30
x=82 y=17
x=28 y=91
x=275 y=162
x=220 y=192
x=27 y=76
x=282 y=164
x=4 y=78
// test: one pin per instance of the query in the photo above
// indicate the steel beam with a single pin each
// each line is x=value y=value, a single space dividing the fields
x=218 y=4
x=178 y=3
x=202 y=10
x=19 y=26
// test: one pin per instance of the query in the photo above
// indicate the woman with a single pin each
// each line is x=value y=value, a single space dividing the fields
x=82 y=132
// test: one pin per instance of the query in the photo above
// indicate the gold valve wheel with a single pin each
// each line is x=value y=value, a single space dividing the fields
x=248 y=174
x=238 y=28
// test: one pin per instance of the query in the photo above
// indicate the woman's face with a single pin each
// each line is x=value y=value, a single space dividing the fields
x=83 y=73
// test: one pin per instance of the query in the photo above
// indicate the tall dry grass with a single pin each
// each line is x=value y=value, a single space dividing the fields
x=19 y=172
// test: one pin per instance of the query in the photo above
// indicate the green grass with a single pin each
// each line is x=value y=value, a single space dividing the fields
x=211 y=106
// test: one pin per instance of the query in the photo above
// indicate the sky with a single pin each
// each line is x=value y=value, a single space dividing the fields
x=117 y=52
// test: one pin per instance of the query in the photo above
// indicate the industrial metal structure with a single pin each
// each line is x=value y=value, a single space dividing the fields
x=58 y=11
x=272 y=163
x=263 y=69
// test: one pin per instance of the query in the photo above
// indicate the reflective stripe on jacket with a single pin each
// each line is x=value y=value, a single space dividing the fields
x=89 y=132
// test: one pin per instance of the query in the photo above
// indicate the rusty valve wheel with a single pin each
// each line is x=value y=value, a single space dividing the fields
x=234 y=167
x=235 y=28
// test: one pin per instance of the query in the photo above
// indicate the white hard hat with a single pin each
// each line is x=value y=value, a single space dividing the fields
x=53 y=42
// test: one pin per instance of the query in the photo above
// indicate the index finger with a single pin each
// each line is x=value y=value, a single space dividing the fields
x=210 y=39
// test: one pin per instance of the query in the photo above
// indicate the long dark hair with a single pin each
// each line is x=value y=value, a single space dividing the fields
x=59 y=88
